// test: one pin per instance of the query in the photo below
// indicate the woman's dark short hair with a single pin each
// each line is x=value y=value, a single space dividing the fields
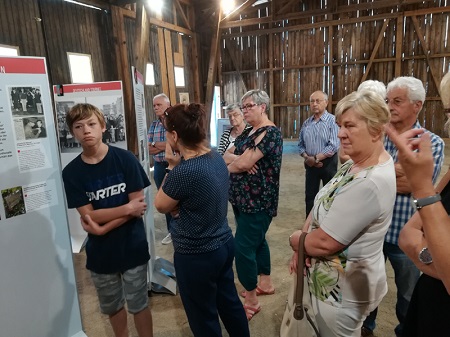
x=189 y=121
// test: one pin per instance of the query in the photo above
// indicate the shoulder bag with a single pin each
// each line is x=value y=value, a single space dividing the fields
x=299 y=318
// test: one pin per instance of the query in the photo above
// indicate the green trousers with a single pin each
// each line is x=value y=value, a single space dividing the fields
x=252 y=254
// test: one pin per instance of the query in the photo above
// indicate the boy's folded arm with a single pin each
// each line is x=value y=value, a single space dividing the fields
x=134 y=208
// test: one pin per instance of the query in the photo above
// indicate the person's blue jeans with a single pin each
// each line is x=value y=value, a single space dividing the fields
x=159 y=171
x=406 y=276
x=207 y=290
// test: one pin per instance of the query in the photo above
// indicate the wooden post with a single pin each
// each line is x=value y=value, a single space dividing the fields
x=209 y=95
x=141 y=50
x=398 y=46
x=124 y=74
x=170 y=70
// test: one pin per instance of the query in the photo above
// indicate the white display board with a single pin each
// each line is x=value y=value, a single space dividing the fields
x=141 y=125
x=38 y=293
x=222 y=125
x=108 y=97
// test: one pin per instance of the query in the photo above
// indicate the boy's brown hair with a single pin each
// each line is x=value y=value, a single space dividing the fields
x=83 y=111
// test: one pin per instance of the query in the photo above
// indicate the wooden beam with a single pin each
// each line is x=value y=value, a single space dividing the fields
x=399 y=45
x=271 y=81
x=425 y=50
x=162 y=63
x=169 y=26
x=124 y=74
x=233 y=57
x=182 y=14
x=195 y=60
x=330 y=68
x=375 y=50
x=246 y=22
x=313 y=25
x=170 y=69
x=239 y=9
x=121 y=2
x=286 y=6
x=334 y=9
x=141 y=50
x=209 y=95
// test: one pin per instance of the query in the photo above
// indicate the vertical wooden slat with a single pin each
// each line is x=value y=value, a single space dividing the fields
x=209 y=95
x=195 y=59
x=163 y=64
x=398 y=46
x=123 y=67
x=170 y=69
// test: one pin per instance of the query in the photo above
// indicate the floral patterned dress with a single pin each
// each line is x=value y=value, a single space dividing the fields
x=252 y=193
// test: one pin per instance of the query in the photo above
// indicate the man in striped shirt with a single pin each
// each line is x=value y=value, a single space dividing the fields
x=318 y=145
x=157 y=147
x=405 y=97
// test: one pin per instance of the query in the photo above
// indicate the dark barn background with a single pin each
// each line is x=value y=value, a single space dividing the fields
x=289 y=48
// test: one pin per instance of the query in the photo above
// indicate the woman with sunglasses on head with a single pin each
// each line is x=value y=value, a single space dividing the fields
x=196 y=185
x=254 y=163
x=238 y=125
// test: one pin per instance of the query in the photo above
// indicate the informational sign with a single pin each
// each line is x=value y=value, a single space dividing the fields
x=38 y=293
x=222 y=125
x=108 y=97
x=161 y=272
x=141 y=125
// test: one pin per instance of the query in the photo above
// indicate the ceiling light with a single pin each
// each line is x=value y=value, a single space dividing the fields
x=227 y=6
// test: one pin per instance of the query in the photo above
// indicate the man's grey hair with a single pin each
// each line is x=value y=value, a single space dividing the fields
x=325 y=95
x=258 y=96
x=414 y=87
x=164 y=96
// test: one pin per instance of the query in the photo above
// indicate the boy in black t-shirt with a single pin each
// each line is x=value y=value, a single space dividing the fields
x=105 y=184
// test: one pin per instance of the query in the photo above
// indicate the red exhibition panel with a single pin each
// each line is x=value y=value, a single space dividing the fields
x=22 y=65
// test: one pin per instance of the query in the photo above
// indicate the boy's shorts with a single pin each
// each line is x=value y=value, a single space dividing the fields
x=113 y=289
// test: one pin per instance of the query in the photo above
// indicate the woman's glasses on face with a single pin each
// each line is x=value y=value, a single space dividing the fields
x=248 y=106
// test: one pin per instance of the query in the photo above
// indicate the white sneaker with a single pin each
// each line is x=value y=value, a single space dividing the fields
x=167 y=239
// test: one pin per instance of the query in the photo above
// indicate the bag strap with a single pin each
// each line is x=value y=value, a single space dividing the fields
x=299 y=312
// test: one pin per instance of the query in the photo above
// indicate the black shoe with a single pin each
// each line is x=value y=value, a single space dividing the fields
x=366 y=332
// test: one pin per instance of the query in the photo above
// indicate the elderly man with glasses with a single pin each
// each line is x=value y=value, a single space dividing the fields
x=318 y=145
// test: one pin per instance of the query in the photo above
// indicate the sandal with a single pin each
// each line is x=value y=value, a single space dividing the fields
x=250 y=311
x=259 y=292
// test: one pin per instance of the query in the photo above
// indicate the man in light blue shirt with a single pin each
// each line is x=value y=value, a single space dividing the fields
x=318 y=145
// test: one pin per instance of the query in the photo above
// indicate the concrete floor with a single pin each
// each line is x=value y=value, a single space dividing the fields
x=169 y=318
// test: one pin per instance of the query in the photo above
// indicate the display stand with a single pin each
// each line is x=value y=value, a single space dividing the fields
x=161 y=272
x=38 y=292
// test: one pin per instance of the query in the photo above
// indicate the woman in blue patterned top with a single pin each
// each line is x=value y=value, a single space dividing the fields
x=254 y=164
x=195 y=188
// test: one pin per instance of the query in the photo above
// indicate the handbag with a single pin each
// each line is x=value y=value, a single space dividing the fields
x=299 y=318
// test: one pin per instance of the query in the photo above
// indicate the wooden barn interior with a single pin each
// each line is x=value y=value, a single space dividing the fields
x=289 y=48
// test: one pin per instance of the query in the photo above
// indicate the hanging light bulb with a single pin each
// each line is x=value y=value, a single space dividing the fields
x=227 y=6
x=156 y=5
x=445 y=92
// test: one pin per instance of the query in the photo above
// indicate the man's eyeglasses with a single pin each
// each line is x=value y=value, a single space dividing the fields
x=248 y=106
x=317 y=101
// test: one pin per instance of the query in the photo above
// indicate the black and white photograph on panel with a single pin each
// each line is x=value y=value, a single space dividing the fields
x=26 y=100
